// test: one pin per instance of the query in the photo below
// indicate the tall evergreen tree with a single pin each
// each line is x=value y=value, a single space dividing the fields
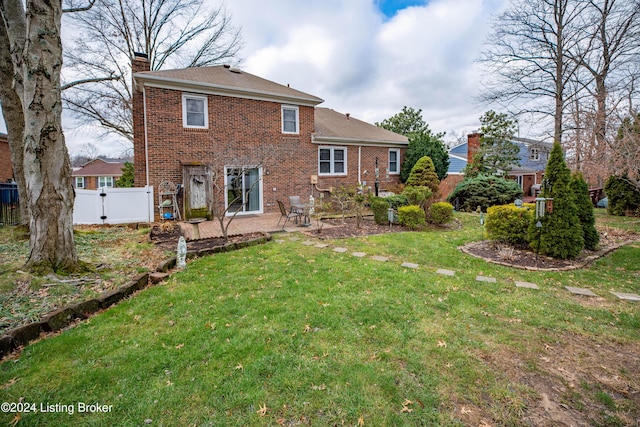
x=422 y=141
x=561 y=233
x=585 y=211
x=497 y=153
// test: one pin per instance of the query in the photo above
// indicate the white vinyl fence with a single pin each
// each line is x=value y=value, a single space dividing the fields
x=108 y=205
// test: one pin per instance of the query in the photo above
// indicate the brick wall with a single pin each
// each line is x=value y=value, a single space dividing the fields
x=242 y=132
x=6 y=170
x=473 y=141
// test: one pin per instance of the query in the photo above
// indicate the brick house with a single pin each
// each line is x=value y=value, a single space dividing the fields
x=529 y=174
x=97 y=173
x=6 y=170
x=224 y=136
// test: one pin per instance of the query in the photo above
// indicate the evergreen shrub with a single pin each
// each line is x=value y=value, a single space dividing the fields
x=484 y=191
x=411 y=216
x=624 y=198
x=379 y=206
x=441 y=213
x=508 y=223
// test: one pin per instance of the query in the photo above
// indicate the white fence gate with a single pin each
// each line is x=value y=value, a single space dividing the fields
x=108 y=205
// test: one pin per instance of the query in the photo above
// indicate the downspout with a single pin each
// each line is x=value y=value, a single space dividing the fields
x=359 y=163
x=146 y=137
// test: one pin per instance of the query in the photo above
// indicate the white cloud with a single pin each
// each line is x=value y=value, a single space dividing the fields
x=359 y=61
x=349 y=54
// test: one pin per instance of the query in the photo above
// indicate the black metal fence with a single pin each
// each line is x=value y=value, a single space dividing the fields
x=9 y=204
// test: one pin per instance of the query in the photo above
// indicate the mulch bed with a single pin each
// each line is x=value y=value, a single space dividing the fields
x=526 y=258
x=166 y=237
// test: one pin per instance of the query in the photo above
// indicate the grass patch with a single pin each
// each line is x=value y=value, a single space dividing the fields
x=285 y=334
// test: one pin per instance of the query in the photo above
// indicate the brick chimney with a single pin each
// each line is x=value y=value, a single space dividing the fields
x=473 y=145
x=139 y=63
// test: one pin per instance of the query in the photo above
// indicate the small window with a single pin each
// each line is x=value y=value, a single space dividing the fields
x=535 y=154
x=194 y=112
x=105 y=181
x=290 y=119
x=332 y=161
x=394 y=161
x=79 y=181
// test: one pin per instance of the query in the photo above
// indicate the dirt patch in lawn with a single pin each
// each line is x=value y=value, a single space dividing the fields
x=572 y=381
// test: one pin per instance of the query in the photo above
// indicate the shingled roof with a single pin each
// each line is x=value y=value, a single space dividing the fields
x=227 y=81
x=99 y=167
x=334 y=127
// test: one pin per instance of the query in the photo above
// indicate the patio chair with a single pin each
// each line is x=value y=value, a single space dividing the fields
x=296 y=204
x=288 y=215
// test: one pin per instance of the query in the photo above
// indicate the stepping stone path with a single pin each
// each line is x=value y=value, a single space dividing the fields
x=580 y=291
x=451 y=273
x=527 y=285
x=409 y=265
x=628 y=297
x=446 y=272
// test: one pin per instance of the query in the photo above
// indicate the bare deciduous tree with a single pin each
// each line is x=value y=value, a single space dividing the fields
x=32 y=106
x=173 y=33
x=528 y=68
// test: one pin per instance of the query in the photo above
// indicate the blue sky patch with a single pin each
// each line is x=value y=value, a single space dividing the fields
x=390 y=7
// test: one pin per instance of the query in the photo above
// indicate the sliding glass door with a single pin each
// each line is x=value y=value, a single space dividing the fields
x=243 y=193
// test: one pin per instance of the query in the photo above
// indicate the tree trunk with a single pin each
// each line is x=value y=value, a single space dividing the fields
x=14 y=119
x=46 y=161
x=36 y=58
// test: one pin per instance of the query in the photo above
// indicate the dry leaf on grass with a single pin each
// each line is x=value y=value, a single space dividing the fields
x=262 y=411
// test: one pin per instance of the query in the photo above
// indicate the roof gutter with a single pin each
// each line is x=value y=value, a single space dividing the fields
x=316 y=139
x=213 y=89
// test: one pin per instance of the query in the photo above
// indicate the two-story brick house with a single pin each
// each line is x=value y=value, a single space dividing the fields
x=97 y=173
x=214 y=128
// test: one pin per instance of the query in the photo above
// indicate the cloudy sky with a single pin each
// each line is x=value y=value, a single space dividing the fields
x=368 y=58
x=372 y=57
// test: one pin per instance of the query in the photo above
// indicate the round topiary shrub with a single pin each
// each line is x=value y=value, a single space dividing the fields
x=508 y=223
x=441 y=213
x=379 y=206
x=411 y=216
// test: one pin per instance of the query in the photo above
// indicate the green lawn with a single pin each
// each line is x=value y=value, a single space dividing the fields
x=286 y=334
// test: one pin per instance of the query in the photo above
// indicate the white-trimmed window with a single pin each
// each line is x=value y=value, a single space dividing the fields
x=394 y=161
x=290 y=119
x=195 y=111
x=105 y=181
x=332 y=161
x=79 y=181
x=534 y=155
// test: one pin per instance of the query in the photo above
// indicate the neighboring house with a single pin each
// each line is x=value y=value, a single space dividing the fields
x=529 y=174
x=97 y=173
x=6 y=170
x=209 y=128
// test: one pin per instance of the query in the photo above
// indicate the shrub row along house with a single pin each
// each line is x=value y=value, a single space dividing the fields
x=236 y=142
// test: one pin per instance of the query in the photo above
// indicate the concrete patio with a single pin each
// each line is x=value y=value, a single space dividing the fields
x=245 y=224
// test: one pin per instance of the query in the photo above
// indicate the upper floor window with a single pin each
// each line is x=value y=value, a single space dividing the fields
x=79 y=181
x=394 y=161
x=194 y=111
x=290 y=119
x=534 y=154
x=332 y=161
x=105 y=181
